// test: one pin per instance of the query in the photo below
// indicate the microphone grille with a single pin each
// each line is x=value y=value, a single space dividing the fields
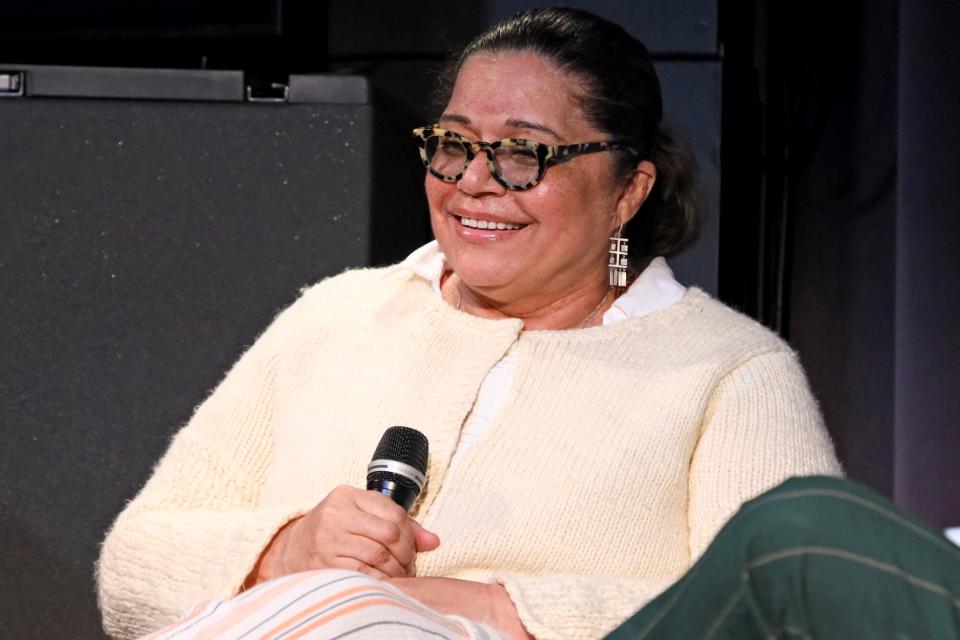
x=405 y=445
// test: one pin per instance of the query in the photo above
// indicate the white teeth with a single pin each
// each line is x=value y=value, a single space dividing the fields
x=489 y=224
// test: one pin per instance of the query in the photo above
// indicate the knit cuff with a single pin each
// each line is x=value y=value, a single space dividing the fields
x=566 y=606
x=165 y=562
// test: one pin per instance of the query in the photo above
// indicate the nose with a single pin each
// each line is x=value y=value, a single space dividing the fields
x=477 y=178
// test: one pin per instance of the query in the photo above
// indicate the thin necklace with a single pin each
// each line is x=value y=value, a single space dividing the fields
x=595 y=309
x=583 y=324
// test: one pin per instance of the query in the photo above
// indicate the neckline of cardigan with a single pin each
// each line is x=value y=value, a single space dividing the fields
x=691 y=299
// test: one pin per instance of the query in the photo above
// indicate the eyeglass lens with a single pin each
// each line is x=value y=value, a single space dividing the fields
x=515 y=164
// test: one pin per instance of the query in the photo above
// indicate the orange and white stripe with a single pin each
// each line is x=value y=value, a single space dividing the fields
x=316 y=605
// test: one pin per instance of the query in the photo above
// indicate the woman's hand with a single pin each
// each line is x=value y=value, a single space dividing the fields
x=349 y=529
x=487 y=604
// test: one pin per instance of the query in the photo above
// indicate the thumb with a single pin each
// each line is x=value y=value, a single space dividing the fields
x=424 y=539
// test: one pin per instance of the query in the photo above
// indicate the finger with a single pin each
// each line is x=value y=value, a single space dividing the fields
x=424 y=539
x=396 y=540
x=380 y=505
x=390 y=528
x=374 y=555
x=352 y=564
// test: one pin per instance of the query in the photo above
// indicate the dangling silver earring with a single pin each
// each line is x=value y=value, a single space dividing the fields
x=618 y=259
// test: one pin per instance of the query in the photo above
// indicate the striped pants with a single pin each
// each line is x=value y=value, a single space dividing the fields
x=321 y=604
x=815 y=558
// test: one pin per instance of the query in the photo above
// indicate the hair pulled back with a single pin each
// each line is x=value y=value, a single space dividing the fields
x=621 y=97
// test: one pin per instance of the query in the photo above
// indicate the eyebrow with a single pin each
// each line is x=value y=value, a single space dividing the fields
x=454 y=117
x=535 y=126
x=516 y=123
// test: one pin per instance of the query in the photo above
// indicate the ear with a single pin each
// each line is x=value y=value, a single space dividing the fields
x=635 y=191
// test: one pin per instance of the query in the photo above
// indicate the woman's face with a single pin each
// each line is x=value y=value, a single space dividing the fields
x=564 y=222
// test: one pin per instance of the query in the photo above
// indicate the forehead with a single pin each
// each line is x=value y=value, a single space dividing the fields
x=494 y=88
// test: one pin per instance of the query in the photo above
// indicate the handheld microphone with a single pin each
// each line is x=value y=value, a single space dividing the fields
x=399 y=465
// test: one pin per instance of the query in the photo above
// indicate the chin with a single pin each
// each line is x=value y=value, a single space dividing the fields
x=481 y=274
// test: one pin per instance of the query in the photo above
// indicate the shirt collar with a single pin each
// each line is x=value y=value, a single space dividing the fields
x=427 y=262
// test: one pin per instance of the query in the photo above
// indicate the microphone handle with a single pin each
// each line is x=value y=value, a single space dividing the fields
x=396 y=491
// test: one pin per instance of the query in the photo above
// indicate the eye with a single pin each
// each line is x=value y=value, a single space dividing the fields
x=449 y=145
x=517 y=155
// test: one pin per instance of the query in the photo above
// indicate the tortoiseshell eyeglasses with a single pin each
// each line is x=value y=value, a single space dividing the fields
x=515 y=163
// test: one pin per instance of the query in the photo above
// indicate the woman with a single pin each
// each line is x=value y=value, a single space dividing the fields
x=587 y=439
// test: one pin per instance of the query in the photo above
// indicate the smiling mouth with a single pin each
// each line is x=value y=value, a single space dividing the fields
x=489 y=224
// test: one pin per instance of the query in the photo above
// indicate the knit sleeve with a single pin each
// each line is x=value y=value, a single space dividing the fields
x=762 y=426
x=196 y=529
x=566 y=607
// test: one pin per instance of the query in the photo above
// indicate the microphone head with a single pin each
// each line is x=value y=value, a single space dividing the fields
x=405 y=445
x=399 y=465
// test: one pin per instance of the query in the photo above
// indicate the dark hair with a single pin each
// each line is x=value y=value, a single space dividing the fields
x=621 y=97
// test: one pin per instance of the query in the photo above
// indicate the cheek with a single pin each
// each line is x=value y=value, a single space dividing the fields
x=437 y=193
x=561 y=204
x=584 y=198
x=580 y=215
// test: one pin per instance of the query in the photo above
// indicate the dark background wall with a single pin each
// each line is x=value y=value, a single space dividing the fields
x=146 y=242
x=927 y=333
x=872 y=167
x=844 y=157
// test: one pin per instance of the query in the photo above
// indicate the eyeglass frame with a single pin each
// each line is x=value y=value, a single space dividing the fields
x=547 y=154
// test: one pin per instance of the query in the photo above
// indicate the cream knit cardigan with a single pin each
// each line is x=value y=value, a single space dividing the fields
x=618 y=453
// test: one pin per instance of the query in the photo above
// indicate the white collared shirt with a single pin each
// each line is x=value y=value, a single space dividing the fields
x=654 y=289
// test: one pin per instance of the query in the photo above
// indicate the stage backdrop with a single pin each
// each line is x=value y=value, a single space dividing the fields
x=145 y=243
